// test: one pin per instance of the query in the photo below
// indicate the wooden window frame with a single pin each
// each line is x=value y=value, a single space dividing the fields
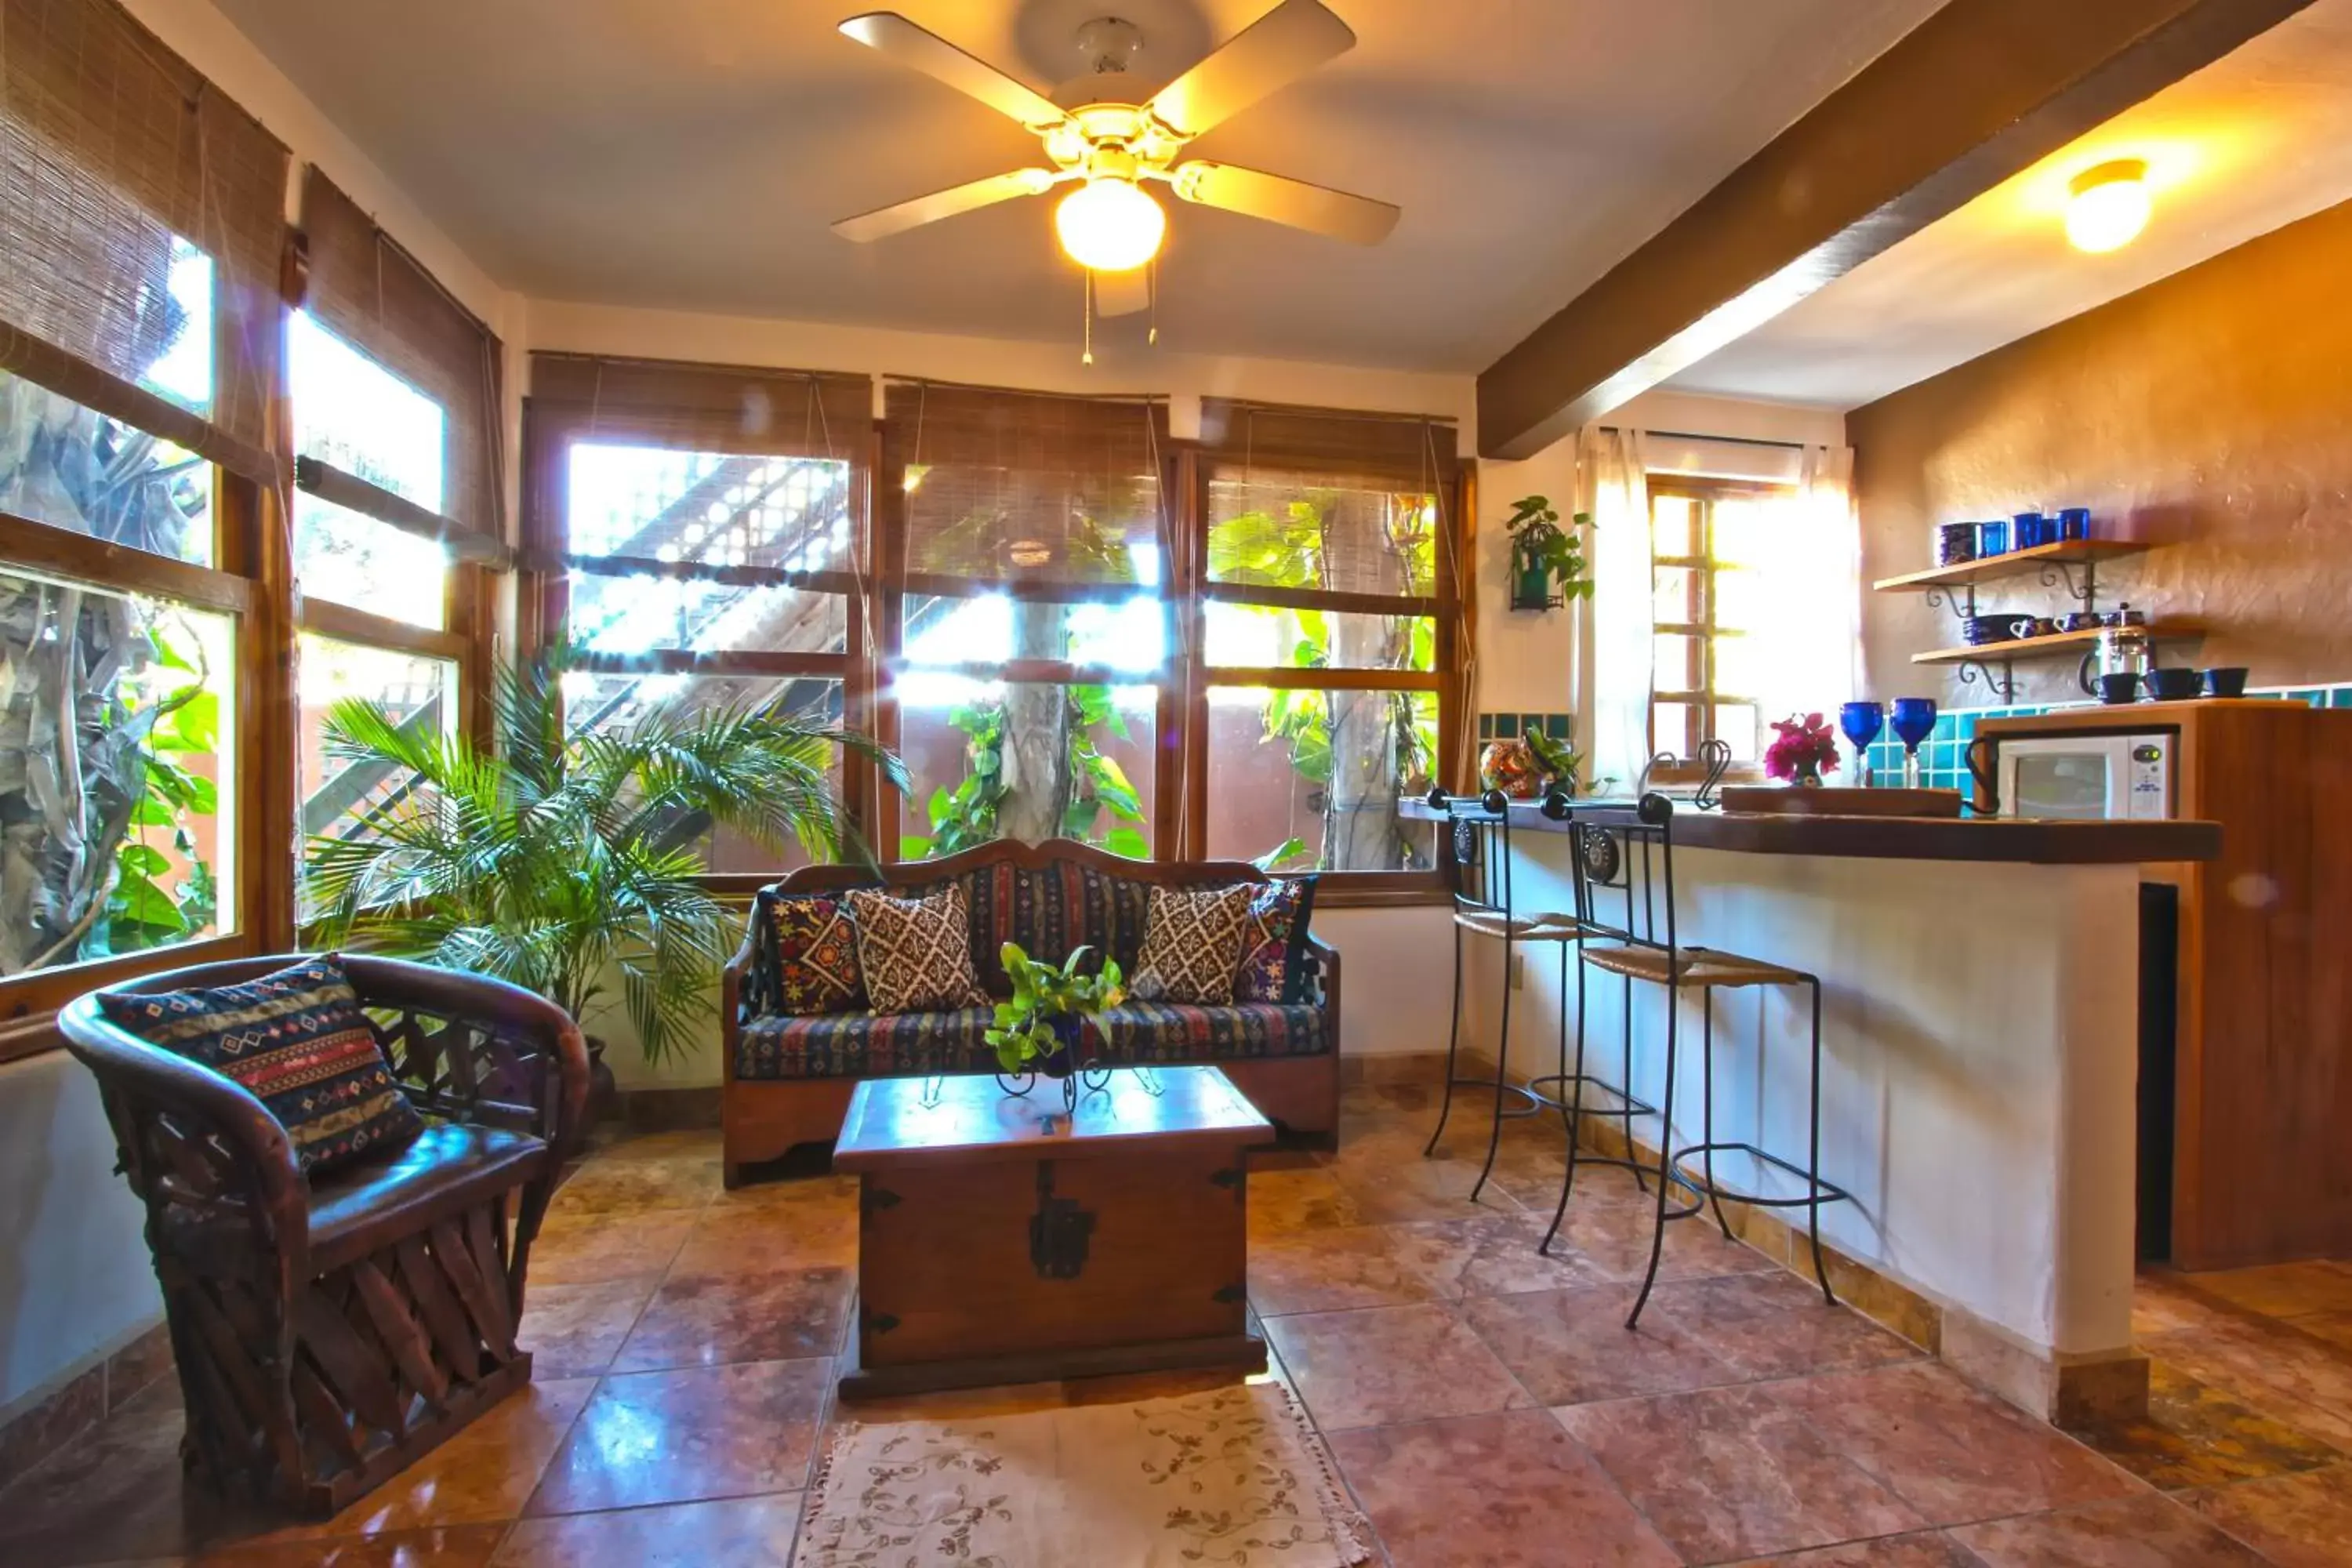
x=1455 y=632
x=877 y=656
x=546 y=564
x=1698 y=694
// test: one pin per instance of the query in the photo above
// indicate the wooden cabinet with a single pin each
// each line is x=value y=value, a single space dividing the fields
x=2262 y=1075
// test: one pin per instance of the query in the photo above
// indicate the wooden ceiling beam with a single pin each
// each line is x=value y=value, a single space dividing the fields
x=1975 y=93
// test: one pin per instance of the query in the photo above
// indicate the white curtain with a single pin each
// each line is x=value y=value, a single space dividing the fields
x=1813 y=592
x=1612 y=484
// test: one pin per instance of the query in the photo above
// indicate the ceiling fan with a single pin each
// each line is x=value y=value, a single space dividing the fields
x=1109 y=149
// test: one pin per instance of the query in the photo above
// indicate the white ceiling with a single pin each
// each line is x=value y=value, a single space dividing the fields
x=2255 y=141
x=689 y=153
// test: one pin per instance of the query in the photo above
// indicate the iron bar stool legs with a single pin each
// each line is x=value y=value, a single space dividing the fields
x=1452 y=1045
x=1708 y=1191
x=1625 y=1110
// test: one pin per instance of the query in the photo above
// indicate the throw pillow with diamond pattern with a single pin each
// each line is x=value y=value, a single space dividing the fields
x=297 y=1040
x=1193 y=944
x=1274 y=943
x=816 y=956
x=916 y=952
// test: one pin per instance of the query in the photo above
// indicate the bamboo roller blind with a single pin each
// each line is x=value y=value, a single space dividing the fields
x=109 y=145
x=1262 y=458
x=368 y=290
x=726 y=409
x=1002 y=485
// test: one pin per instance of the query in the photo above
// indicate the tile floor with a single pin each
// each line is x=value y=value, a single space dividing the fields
x=1484 y=1403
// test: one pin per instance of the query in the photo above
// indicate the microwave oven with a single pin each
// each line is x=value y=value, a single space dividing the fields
x=2086 y=778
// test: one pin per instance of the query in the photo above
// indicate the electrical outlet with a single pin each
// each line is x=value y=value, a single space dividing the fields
x=1519 y=971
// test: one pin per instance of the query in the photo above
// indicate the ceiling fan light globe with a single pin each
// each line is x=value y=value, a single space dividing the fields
x=1109 y=225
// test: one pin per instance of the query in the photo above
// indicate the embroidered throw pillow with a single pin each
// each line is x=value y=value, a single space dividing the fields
x=1274 y=942
x=916 y=952
x=816 y=956
x=297 y=1040
x=1193 y=944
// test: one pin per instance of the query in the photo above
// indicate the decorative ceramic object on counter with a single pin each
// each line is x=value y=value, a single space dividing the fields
x=1510 y=767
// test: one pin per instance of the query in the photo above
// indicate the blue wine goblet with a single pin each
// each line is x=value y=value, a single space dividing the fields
x=1915 y=720
x=1862 y=721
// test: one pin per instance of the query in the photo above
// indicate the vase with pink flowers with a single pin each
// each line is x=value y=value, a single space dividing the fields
x=1802 y=750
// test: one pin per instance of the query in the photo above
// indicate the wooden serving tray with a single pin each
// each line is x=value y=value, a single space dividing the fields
x=1831 y=801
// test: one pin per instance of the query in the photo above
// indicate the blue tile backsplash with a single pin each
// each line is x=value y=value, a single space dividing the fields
x=1943 y=761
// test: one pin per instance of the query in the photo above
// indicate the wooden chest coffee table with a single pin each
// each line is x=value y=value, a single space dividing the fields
x=1003 y=1241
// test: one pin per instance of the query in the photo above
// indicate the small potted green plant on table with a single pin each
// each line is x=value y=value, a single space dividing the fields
x=1041 y=1029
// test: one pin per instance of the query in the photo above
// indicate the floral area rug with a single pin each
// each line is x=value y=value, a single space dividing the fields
x=1234 y=1476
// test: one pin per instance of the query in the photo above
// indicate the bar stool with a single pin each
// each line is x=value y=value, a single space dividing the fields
x=1477 y=850
x=1623 y=861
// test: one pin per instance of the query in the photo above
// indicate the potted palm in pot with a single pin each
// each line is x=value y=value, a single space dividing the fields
x=569 y=862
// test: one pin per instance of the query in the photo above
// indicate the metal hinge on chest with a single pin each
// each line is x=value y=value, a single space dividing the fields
x=1060 y=1231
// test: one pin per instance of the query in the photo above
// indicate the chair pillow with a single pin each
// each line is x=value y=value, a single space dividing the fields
x=816 y=956
x=1193 y=944
x=916 y=952
x=1274 y=943
x=297 y=1040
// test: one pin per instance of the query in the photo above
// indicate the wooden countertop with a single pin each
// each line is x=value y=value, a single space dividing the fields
x=1907 y=838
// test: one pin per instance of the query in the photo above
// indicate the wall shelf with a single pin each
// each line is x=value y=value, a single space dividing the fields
x=2045 y=559
x=2056 y=644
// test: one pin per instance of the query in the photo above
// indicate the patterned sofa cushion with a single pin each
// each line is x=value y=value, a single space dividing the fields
x=857 y=1045
x=1049 y=910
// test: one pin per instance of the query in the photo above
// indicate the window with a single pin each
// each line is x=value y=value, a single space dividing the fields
x=703 y=553
x=1028 y=677
x=1712 y=659
x=352 y=414
x=1063 y=624
x=1329 y=618
x=138 y=304
x=341 y=798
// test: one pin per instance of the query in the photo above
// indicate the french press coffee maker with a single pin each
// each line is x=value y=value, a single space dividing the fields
x=2125 y=649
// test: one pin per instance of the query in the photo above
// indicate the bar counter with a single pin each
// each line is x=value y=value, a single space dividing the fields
x=1981 y=984
x=1907 y=838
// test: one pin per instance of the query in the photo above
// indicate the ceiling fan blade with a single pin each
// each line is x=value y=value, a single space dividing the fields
x=883 y=221
x=920 y=49
x=1270 y=53
x=1317 y=208
x=1122 y=293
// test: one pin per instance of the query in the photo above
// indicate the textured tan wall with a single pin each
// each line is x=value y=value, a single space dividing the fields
x=2209 y=414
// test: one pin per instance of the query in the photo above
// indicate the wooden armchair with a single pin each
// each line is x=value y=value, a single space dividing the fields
x=328 y=1333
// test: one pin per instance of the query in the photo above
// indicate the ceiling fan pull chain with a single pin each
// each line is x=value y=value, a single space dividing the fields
x=1152 y=337
x=1087 y=312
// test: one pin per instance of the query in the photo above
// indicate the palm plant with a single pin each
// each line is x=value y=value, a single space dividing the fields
x=558 y=861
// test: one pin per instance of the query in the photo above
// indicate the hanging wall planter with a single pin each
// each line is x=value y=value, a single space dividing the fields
x=1547 y=565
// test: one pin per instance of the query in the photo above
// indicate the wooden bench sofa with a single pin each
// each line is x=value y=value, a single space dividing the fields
x=788 y=1079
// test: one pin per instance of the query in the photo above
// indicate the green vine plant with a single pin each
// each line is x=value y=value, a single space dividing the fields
x=1044 y=993
x=1539 y=543
x=1291 y=547
x=185 y=721
x=1103 y=810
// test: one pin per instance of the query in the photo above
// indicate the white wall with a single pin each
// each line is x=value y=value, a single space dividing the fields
x=75 y=1281
x=1977 y=1080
